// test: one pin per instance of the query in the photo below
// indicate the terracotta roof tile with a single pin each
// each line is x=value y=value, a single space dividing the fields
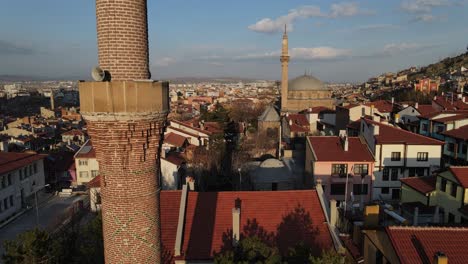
x=420 y=244
x=175 y=139
x=392 y=135
x=460 y=133
x=421 y=184
x=95 y=182
x=329 y=148
x=461 y=173
x=288 y=216
x=10 y=161
x=383 y=106
x=426 y=109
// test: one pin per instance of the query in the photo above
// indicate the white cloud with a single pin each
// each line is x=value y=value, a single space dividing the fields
x=422 y=6
x=376 y=27
x=166 y=61
x=344 y=9
x=315 y=53
x=268 y=25
x=398 y=48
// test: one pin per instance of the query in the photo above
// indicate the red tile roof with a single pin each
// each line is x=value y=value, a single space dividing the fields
x=327 y=148
x=10 y=161
x=420 y=244
x=74 y=132
x=86 y=152
x=451 y=118
x=447 y=104
x=299 y=123
x=174 y=158
x=426 y=109
x=460 y=133
x=285 y=217
x=175 y=139
x=392 y=135
x=383 y=106
x=461 y=173
x=421 y=184
x=95 y=182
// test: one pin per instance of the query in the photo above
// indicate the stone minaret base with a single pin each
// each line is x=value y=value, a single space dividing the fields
x=125 y=122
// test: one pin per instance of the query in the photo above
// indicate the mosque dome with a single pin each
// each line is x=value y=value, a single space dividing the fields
x=306 y=83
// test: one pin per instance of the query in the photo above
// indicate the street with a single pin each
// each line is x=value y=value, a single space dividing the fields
x=49 y=212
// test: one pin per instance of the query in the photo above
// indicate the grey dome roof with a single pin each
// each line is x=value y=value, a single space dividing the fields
x=306 y=83
x=272 y=170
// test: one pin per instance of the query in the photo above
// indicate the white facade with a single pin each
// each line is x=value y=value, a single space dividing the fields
x=394 y=161
x=17 y=187
x=170 y=175
x=86 y=170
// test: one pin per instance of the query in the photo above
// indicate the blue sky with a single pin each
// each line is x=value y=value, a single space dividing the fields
x=335 y=41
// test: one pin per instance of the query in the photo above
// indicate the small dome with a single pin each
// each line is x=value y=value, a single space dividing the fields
x=306 y=83
x=272 y=163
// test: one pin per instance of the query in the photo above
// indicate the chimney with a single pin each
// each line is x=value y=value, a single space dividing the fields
x=416 y=105
x=435 y=97
x=371 y=216
x=345 y=143
x=333 y=212
x=416 y=216
x=393 y=100
x=236 y=211
x=376 y=130
x=463 y=99
x=440 y=258
x=181 y=221
x=397 y=118
x=290 y=122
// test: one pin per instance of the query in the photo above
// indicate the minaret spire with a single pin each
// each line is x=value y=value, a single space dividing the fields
x=284 y=70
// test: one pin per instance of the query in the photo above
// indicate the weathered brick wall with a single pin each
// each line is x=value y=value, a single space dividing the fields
x=128 y=155
x=122 y=29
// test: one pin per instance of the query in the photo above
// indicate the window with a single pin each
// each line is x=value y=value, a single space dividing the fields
x=464 y=148
x=11 y=200
x=35 y=168
x=385 y=174
x=83 y=174
x=439 y=129
x=94 y=173
x=451 y=218
x=10 y=182
x=361 y=169
x=5 y=203
x=21 y=174
x=424 y=127
x=443 y=185
x=411 y=172
x=396 y=156
x=83 y=162
x=394 y=174
x=451 y=147
x=340 y=169
x=4 y=184
x=337 y=189
x=360 y=189
x=454 y=190
x=385 y=190
x=420 y=171
x=422 y=156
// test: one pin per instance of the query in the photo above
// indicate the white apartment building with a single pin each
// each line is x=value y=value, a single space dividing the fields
x=398 y=154
x=21 y=175
x=87 y=166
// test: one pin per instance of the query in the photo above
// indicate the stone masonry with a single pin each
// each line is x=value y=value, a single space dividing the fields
x=122 y=29
x=125 y=119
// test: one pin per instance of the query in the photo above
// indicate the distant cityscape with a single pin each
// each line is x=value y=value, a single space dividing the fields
x=127 y=169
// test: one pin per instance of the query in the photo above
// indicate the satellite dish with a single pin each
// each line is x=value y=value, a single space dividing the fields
x=98 y=74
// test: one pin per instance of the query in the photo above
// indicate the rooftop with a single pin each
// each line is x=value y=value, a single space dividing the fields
x=460 y=133
x=330 y=148
x=420 y=244
x=391 y=135
x=282 y=217
x=10 y=161
x=421 y=184
x=461 y=174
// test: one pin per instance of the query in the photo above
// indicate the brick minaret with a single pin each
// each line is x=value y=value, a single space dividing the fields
x=125 y=118
x=284 y=71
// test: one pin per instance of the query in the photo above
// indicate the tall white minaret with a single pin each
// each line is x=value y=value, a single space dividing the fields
x=284 y=71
